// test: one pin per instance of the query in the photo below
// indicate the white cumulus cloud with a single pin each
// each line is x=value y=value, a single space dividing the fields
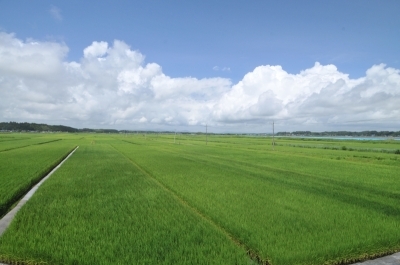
x=112 y=85
x=97 y=49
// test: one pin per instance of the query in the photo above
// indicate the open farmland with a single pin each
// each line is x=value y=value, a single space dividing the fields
x=15 y=141
x=23 y=166
x=100 y=209
x=173 y=199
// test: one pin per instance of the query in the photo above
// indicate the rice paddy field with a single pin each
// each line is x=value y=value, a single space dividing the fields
x=24 y=162
x=173 y=199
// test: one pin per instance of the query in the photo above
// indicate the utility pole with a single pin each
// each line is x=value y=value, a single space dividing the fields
x=174 y=136
x=273 y=134
x=206 y=134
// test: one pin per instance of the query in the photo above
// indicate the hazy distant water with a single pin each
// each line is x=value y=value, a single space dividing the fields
x=348 y=138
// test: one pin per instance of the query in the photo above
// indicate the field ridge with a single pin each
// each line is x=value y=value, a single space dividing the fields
x=251 y=253
x=7 y=207
x=23 y=146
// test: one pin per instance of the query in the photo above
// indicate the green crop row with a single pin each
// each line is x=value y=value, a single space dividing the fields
x=99 y=208
x=172 y=199
x=11 y=143
x=20 y=169
x=331 y=149
x=290 y=209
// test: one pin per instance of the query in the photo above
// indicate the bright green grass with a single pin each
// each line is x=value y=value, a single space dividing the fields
x=11 y=137
x=388 y=146
x=289 y=208
x=21 y=168
x=377 y=152
x=293 y=205
x=15 y=141
x=99 y=208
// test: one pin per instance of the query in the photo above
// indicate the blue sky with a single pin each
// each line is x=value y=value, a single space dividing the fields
x=216 y=39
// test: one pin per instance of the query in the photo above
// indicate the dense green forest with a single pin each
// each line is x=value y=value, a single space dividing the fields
x=25 y=126
x=35 y=127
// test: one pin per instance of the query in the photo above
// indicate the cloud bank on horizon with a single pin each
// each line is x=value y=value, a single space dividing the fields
x=113 y=87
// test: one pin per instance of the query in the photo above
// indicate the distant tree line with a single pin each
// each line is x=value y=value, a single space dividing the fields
x=98 y=130
x=342 y=133
x=40 y=127
x=35 y=127
x=25 y=126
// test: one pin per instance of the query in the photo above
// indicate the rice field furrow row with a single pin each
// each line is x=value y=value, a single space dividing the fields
x=223 y=191
x=100 y=209
x=172 y=199
x=21 y=169
x=340 y=190
x=252 y=254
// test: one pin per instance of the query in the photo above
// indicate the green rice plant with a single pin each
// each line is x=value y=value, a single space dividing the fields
x=289 y=209
x=99 y=208
x=21 y=169
x=24 y=140
x=206 y=204
x=5 y=138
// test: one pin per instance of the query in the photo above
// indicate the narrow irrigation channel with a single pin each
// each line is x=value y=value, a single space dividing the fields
x=6 y=220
